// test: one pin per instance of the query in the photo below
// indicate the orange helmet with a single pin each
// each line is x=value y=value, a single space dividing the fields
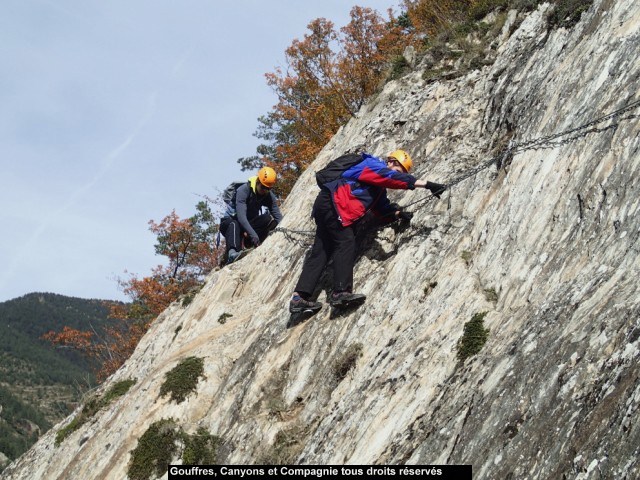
x=267 y=177
x=404 y=159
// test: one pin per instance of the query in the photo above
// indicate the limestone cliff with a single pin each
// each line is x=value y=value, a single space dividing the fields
x=547 y=245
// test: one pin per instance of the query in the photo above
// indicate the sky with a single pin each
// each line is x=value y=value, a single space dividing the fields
x=114 y=113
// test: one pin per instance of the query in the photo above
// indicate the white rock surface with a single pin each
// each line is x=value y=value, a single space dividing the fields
x=555 y=390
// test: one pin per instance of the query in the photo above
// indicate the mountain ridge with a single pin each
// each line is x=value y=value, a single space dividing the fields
x=39 y=384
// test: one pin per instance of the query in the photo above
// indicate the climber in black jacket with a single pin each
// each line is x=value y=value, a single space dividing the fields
x=252 y=215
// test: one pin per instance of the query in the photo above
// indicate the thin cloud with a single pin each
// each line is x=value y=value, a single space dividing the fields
x=107 y=164
x=66 y=11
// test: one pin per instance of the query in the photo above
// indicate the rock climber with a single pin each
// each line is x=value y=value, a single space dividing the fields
x=339 y=206
x=251 y=215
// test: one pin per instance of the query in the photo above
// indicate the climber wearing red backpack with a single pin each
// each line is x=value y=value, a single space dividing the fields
x=351 y=186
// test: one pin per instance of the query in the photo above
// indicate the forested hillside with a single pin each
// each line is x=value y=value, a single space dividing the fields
x=40 y=384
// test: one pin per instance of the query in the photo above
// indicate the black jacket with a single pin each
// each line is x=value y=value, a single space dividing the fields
x=250 y=205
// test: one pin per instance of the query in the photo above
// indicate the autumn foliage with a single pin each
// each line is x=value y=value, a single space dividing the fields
x=188 y=246
x=329 y=75
x=110 y=349
x=430 y=17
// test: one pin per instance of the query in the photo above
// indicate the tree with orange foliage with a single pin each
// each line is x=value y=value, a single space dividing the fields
x=188 y=246
x=329 y=75
x=368 y=44
x=109 y=350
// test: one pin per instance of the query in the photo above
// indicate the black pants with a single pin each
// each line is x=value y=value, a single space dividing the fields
x=331 y=239
x=234 y=233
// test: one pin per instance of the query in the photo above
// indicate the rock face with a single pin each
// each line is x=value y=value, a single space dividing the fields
x=547 y=246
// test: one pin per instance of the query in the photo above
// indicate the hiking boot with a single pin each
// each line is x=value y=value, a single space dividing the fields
x=232 y=255
x=344 y=299
x=235 y=255
x=299 y=304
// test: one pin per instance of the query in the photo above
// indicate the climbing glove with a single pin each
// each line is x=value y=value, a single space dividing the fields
x=435 y=188
x=250 y=240
x=405 y=216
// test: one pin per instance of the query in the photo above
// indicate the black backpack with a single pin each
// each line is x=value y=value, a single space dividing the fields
x=229 y=193
x=335 y=168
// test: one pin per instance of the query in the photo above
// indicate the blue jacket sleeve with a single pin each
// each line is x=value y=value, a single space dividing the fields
x=374 y=171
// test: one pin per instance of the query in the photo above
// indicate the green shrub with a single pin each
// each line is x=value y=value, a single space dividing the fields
x=117 y=390
x=463 y=29
x=156 y=449
x=440 y=51
x=160 y=445
x=491 y=295
x=473 y=338
x=200 y=448
x=482 y=8
x=93 y=406
x=567 y=13
x=183 y=379
x=188 y=297
x=399 y=66
x=67 y=430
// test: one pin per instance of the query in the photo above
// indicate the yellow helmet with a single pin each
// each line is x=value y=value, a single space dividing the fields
x=267 y=177
x=404 y=159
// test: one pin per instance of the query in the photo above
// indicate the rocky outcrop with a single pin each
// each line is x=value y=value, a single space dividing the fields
x=545 y=249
